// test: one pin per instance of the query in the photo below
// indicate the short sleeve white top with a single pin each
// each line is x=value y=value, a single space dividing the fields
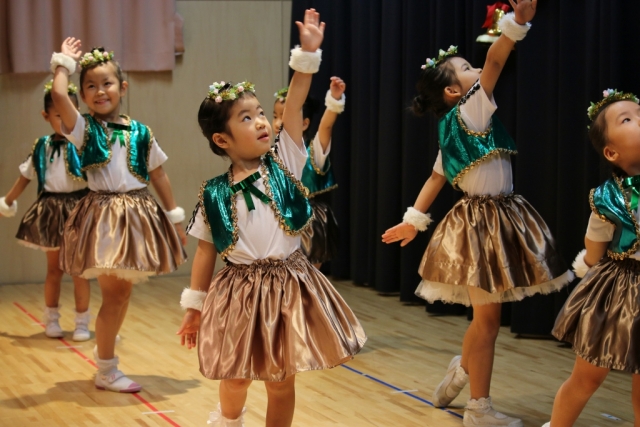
x=115 y=175
x=319 y=155
x=259 y=232
x=602 y=231
x=492 y=176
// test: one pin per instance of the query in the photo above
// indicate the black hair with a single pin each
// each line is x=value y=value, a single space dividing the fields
x=84 y=70
x=213 y=117
x=309 y=110
x=598 y=137
x=48 y=100
x=430 y=89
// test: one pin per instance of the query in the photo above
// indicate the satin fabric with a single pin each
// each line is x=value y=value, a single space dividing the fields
x=601 y=317
x=122 y=231
x=272 y=319
x=43 y=224
x=498 y=244
x=319 y=242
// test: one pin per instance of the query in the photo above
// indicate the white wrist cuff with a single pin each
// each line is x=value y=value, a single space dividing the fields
x=191 y=298
x=7 y=210
x=579 y=266
x=416 y=218
x=511 y=28
x=61 y=60
x=305 y=62
x=175 y=215
x=335 y=105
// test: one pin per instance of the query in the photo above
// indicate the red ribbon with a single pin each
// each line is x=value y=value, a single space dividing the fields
x=491 y=9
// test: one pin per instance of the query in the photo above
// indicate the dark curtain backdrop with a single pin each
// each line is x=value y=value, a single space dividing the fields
x=382 y=155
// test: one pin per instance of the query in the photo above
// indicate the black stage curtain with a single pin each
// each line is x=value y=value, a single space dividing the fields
x=382 y=155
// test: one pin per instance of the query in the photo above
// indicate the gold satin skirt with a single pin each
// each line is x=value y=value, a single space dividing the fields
x=601 y=317
x=123 y=234
x=498 y=244
x=272 y=319
x=43 y=224
x=319 y=242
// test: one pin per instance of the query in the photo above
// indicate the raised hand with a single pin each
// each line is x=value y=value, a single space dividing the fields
x=71 y=47
x=403 y=231
x=189 y=329
x=337 y=87
x=524 y=10
x=311 y=31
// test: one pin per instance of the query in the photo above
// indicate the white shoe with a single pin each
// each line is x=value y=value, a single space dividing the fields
x=452 y=384
x=52 y=327
x=217 y=420
x=481 y=413
x=81 y=333
x=110 y=378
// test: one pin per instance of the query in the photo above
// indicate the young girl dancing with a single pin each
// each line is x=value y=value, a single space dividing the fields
x=118 y=232
x=602 y=314
x=268 y=314
x=492 y=247
x=54 y=162
x=320 y=240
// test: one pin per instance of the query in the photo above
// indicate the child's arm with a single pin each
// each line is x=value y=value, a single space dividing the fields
x=407 y=232
x=59 y=92
x=160 y=181
x=329 y=117
x=15 y=192
x=595 y=251
x=499 y=51
x=311 y=35
x=204 y=262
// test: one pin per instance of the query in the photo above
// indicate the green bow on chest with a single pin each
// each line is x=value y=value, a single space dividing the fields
x=247 y=188
x=633 y=184
x=118 y=132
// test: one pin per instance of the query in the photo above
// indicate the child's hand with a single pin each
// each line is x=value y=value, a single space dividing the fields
x=181 y=234
x=403 y=231
x=524 y=10
x=189 y=329
x=71 y=47
x=337 y=87
x=311 y=31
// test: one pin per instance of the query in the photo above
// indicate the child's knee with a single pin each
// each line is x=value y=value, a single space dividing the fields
x=54 y=272
x=280 y=386
x=236 y=385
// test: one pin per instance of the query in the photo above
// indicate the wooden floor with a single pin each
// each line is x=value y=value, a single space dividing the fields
x=48 y=382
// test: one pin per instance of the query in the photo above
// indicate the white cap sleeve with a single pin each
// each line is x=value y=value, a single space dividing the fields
x=320 y=156
x=477 y=110
x=76 y=136
x=27 y=170
x=156 y=157
x=197 y=227
x=437 y=166
x=599 y=230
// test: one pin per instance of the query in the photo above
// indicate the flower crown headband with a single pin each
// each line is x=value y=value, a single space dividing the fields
x=221 y=91
x=281 y=95
x=610 y=95
x=433 y=63
x=71 y=89
x=95 y=57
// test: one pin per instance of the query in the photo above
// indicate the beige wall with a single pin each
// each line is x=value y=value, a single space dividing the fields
x=224 y=40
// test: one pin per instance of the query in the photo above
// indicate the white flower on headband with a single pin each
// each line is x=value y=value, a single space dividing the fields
x=227 y=92
x=432 y=63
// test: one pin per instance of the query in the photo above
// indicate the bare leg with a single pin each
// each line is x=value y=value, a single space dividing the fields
x=635 y=398
x=233 y=395
x=281 y=402
x=478 y=347
x=575 y=392
x=53 y=279
x=82 y=293
x=115 y=299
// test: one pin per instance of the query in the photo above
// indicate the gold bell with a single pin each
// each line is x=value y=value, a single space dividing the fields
x=495 y=12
